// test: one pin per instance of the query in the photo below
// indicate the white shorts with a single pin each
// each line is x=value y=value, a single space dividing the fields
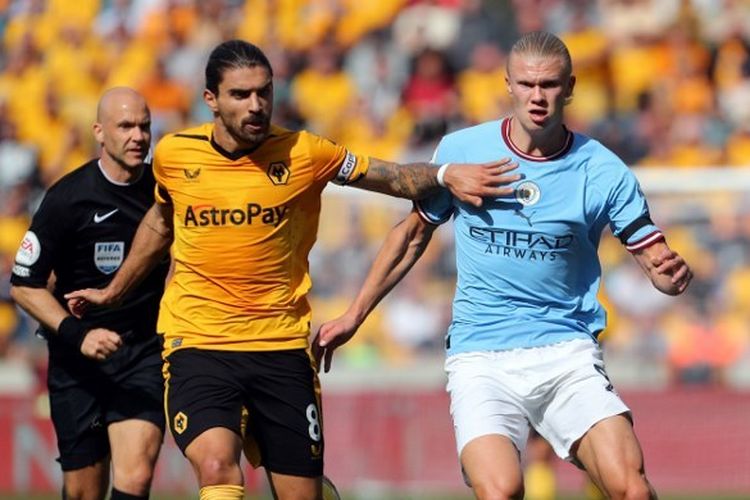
x=561 y=390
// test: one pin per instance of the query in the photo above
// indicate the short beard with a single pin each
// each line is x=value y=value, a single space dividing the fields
x=250 y=140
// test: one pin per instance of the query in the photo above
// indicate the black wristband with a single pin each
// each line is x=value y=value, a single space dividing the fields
x=71 y=331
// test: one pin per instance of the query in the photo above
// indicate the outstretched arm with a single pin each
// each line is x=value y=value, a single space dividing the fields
x=469 y=183
x=403 y=246
x=150 y=244
x=668 y=271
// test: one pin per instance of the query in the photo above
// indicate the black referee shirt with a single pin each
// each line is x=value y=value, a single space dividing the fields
x=83 y=231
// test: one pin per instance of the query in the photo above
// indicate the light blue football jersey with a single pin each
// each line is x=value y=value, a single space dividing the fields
x=528 y=269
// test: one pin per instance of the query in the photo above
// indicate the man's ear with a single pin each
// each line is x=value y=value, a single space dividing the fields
x=569 y=90
x=98 y=133
x=571 y=86
x=210 y=99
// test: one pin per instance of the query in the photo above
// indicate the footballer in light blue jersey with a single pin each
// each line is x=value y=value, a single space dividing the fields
x=528 y=270
x=521 y=346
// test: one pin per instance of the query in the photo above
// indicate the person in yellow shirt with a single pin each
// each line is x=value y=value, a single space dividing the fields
x=238 y=201
x=324 y=94
x=480 y=97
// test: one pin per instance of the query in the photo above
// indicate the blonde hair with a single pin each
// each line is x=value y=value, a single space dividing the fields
x=543 y=44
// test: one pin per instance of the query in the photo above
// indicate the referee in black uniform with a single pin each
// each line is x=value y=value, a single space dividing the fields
x=104 y=377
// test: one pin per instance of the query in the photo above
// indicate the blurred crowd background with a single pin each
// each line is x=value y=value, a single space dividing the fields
x=664 y=83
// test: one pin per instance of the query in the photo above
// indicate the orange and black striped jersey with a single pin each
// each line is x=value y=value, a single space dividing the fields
x=244 y=224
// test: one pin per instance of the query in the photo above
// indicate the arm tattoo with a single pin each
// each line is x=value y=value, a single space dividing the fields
x=413 y=180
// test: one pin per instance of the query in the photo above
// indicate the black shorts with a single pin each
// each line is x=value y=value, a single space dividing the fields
x=87 y=395
x=279 y=389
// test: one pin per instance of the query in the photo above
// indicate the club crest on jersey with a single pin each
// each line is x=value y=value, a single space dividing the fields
x=278 y=172
x=109 y=255
x=528 y=193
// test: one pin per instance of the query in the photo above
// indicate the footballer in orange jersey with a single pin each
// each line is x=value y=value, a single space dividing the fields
x=238 y=202
x=243 y=227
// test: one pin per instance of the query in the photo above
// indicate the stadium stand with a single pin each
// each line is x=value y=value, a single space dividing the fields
x=668 y=89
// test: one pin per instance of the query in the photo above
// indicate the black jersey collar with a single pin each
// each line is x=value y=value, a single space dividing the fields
x=236 y=155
